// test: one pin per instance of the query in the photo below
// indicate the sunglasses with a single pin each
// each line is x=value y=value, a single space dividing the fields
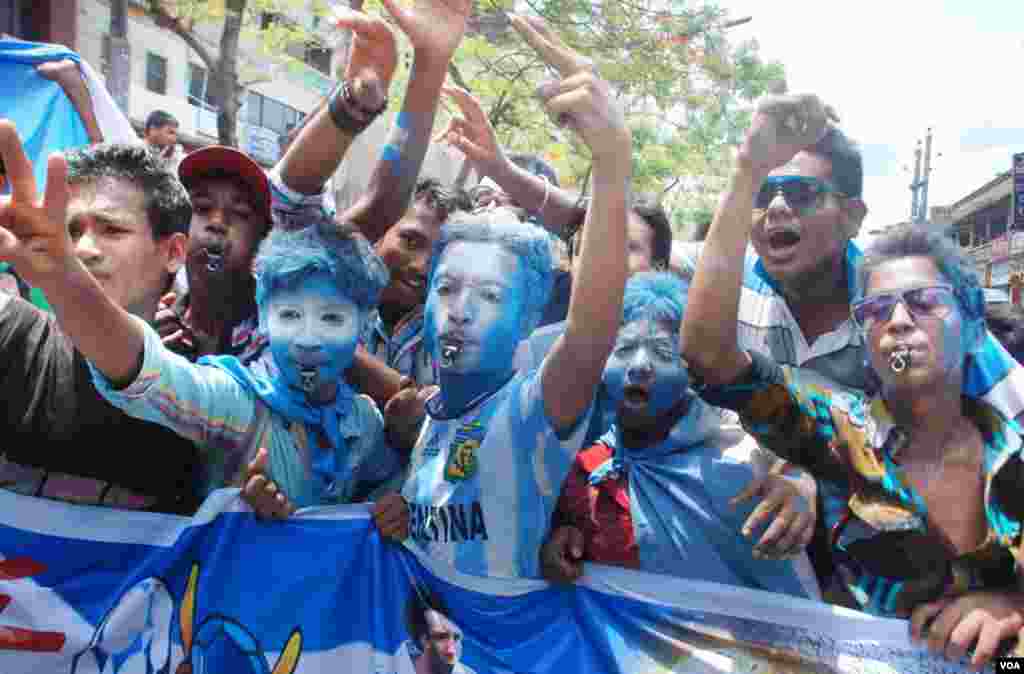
x=933 y=301
x=803 y=194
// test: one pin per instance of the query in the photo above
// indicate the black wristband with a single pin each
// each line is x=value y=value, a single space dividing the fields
x=346 y=112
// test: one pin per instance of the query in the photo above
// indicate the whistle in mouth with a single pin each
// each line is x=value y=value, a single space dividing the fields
x=214 y=261
x=449 y=353
x=899 y=360
x=307 y=379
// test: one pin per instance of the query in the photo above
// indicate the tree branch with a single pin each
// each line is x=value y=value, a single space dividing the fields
x=166 y=20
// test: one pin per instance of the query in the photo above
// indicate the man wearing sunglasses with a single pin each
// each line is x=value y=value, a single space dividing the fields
x=922 y=474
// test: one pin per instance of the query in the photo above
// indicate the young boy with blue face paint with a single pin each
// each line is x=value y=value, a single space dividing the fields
x=314 y=289
x=657 y=492
x=496 y=444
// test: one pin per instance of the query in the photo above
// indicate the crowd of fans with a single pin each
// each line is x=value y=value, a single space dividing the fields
x=520 y=380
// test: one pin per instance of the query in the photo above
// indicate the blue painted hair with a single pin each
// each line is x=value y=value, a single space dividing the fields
x=655 y=295
x=286 y=257
x=917 y=241
x=527 y=242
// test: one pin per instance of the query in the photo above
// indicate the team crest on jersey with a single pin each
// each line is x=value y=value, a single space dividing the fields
x=462 y=461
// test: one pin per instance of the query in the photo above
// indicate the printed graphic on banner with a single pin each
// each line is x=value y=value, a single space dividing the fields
x=96 y=591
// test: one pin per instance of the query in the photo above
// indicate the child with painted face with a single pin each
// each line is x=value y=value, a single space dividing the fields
x=659 y=491
x=496 y=443
x=314 y=289
x=928 y=476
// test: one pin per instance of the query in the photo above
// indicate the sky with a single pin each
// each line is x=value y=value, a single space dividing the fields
x=892 y=69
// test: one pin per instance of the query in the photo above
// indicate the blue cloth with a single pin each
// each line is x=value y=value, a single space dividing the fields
x=293 y=405
x=100 y=590
x=46 y=119
x=679 y=491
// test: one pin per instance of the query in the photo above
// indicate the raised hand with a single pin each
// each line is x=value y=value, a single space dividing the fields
x=781 y=127
x=33 y=232
x=792 y=519
x=561 y=557
x=373 y=56
x=581 y=100
x=472 y=133
x=435 y=27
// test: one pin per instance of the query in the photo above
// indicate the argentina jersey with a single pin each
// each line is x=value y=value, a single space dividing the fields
x=482 y=487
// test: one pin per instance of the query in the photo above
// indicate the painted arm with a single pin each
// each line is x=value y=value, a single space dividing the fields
x=586 y=104
x=435 y=28
x=320 y=146
x=781 y=127
x=34 y=237
x=474 y=136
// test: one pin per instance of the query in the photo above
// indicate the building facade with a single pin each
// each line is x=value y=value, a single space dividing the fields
x=981 y=223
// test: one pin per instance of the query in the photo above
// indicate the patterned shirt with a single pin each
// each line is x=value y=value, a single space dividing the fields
x=401 y=350
x=850 y=442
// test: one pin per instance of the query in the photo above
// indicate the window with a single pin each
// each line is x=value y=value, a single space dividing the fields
x=270 y=114
x=156 y=73
x=319 y=58
x=199 y=93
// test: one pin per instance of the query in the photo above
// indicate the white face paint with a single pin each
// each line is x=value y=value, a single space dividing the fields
x=313 y=331
x=474 y=308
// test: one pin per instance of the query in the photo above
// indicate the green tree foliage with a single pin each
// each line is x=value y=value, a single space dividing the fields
x=268 y=28
x=686 y=88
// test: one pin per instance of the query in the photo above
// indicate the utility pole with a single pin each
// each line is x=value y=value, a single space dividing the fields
x=922 y=210
x=914 y=185
x=919 y=188
x=119 y=73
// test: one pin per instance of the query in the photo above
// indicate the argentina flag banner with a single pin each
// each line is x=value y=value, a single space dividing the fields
x=87 y=590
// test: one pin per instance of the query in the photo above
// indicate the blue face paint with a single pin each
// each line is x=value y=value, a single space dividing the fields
x=645 y=376
x=474 y=314
x=313 y=330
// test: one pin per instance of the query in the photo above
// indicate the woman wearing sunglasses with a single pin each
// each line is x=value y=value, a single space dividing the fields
x=923 y=503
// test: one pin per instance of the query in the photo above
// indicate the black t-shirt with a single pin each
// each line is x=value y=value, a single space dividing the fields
x=54 y=419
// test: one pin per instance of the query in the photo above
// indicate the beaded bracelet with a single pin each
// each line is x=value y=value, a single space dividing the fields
x=341 y=106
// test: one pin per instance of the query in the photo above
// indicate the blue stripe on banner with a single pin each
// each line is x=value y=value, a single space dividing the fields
x=322 y=592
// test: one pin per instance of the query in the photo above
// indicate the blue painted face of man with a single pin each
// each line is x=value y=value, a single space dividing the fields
x=474 y=312
x=313 y=330
x=645 y=375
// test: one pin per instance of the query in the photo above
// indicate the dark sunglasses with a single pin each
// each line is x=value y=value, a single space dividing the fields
x=803 y=194
x=932 y=301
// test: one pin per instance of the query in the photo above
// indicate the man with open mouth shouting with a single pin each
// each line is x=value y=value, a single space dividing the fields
x=660 y=490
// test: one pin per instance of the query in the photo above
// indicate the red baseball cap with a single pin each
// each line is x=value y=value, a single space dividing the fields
x=220 y=160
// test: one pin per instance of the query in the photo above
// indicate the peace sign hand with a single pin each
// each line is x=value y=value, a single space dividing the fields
x=581 y=100
x=781 y=127
x=472 y=133
x=33 y=232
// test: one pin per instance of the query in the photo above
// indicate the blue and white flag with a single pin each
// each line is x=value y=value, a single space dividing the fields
x=46 y=118
x=86 y=590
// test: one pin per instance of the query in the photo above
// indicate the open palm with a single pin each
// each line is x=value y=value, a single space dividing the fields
x=432 y=25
